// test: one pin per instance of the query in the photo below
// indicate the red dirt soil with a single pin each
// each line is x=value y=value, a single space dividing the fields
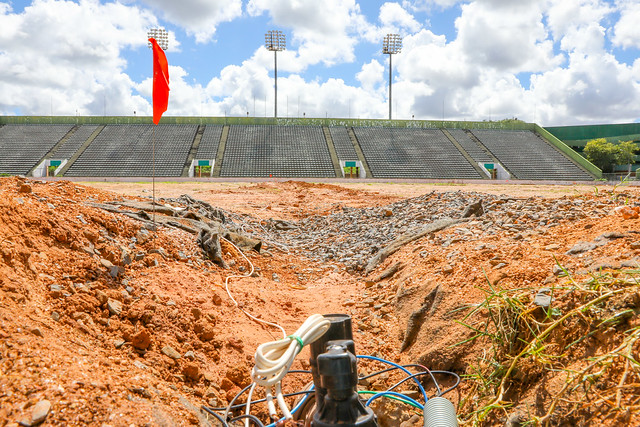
x=88 y=337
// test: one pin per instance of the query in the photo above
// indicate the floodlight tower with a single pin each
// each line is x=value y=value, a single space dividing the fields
x=392 y=44
x=275 y=41
x=161 y=36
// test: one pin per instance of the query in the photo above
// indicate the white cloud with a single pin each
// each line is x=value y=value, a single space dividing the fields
x=427 y=5
x=47 y=68
x=396 y=18
x=198 y=17
x=588 y=39
x=370 y=75
x=627 y=30
x=568 y=15
x=591 y=88
x=322 y=31
x=506 y=35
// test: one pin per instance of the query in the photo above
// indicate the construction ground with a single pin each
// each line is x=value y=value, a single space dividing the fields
x=528 y=293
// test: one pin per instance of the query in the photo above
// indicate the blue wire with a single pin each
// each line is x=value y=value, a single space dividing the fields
x=297 y=407
x=392 y=393
x=377 y=359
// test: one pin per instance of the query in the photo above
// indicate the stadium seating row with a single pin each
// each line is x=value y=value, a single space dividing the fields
x=282 y=151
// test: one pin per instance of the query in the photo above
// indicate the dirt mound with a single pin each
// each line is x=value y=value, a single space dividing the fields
x=105 y=322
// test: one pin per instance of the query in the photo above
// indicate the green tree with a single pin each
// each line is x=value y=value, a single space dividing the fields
x=626 y=153
x=601 y=153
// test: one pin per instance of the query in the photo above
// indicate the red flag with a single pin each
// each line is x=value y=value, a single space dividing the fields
x=160 y=81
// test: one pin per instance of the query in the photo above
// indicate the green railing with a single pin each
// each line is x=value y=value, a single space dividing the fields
x=429 y=124
x=561 y=146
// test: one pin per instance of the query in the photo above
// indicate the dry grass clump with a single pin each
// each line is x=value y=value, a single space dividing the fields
x=588 y=334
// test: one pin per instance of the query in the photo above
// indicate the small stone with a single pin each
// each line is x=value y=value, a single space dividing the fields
x=139 y=256
x=552 y=247
x=125 y=257
x=216 y=299
x=37 y=332
x=191 y=371
x=169 y=351
x=543 y=298
x=143 y=236
x=25 y=188
x=114 y=307
x=196 y=312
x=447 y=269
x=106 y=263
x=190 y=355
x=119 y=343
x=55 y=316
x=57 y=291
x=139 y=364
x=275 y=277
x=102 y=297
x=40 y=412
x=141 y=340
x=581 y=247
x=388 y=213
x=115 y=271
x=635 y=245
x=171 y=303
x=499 y=266
x=160 y=251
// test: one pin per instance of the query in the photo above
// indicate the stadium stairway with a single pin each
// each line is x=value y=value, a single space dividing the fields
x=220 y=154
x=194 y=149
x=332 y=151
x=55 y=148
x=359 y=152
x=466 y=155
x=80 y=150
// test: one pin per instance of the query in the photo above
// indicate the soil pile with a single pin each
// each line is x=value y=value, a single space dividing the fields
x=105 y=322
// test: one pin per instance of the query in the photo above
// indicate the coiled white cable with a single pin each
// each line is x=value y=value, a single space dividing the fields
x=273 y=360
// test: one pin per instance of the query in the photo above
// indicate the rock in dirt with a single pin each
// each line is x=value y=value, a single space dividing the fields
x=543 y=298
x=191 y=371
x=169 y=351
x=114 y=307
x=209 y=241
x=581 y=247
x=40 y=412
x=25 y=188
x=141 y=340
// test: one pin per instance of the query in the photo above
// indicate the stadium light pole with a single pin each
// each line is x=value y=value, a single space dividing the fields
x=275 y=41
x=391 y=45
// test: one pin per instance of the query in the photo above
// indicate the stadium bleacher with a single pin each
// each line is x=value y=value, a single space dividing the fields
x=527 y=156
x=342 y=143
x=259 y=150
x=23 y=146
x=279 y=151
x=209 y=143
x=412 y=153
x=476 y=152
x=74 y=142
x=127 y=150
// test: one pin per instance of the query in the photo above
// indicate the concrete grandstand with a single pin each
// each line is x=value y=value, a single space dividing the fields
x=286 y=148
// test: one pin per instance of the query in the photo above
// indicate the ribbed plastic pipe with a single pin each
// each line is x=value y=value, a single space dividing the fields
x=439 y=412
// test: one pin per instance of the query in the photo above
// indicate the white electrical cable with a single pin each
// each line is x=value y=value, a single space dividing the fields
x=226 y=287
x=273 y=360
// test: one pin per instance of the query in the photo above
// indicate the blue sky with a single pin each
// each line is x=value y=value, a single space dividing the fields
x=551 y=61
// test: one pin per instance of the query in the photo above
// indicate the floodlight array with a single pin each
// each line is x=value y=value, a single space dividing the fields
x=392 y=44
x=275 y=41
x=161 y=36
